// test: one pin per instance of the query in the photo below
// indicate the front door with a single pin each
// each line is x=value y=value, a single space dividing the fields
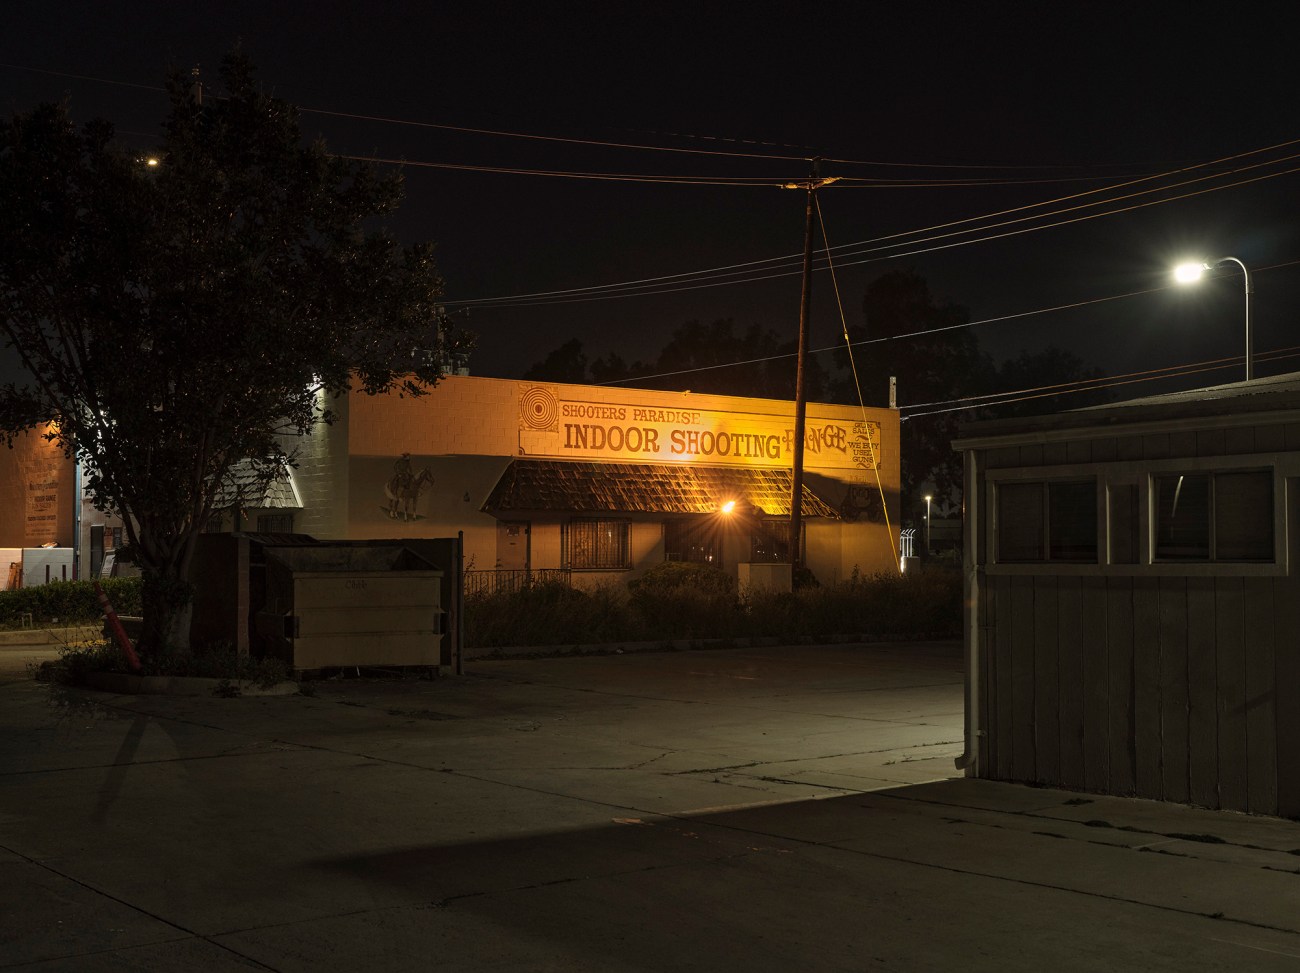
x=512 y=545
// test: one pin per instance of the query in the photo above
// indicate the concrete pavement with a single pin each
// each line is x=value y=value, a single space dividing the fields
x=749 y=809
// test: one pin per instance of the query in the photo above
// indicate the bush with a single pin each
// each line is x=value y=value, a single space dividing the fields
x=213 y=662
x=548 y=613
x=690 y=601
x=68 y=601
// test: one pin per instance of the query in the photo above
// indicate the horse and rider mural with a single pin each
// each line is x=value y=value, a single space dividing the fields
x=403 y=489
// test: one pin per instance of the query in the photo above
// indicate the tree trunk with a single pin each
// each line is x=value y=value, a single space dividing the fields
x=166 y=596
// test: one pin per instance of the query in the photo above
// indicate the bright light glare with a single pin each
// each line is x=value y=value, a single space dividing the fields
x=728 y=507
x=1189 y=273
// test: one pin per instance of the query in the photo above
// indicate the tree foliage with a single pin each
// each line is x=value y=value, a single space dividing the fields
x=716 y=358
x=919 y=341
x=179 y=318
x=907 y=334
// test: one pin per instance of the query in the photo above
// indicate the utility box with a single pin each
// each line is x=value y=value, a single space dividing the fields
x=350 y=605
x=773 y=576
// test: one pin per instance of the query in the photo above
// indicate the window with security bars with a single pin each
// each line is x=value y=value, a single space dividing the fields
x=770 y=542
x=1047 y=521
x=275 y=523
x=1214 y=516
x=597 y=544
x=698 y=541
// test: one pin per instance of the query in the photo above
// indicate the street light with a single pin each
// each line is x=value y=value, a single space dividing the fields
x=928 y=498
x=1191 y=272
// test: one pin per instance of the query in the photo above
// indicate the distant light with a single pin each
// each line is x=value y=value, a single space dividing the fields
x=1190 y=272
x=151 y=161
x=929 y=497
x=728 y=507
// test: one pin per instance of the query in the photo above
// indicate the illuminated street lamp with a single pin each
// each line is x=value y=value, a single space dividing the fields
x=1191 y=272
x=928 y=498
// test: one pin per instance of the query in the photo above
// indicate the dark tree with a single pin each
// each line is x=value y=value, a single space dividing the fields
x=567 y=363
x=706 y=358
x=186 y=318
x=919 y=341
x=1038 y=378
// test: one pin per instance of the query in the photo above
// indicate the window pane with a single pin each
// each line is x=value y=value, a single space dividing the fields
x=597 y=543
x=1020 y=522
x=1183 y=517
x=770 y=541
x=1072 y=521
x=1124 y=545
x=1243 y=516
x=693 y=540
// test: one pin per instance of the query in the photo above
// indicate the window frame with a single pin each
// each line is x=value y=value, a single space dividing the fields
x=621 y=545
x=1212 y=515
x=683 y=534
x=1046 y=508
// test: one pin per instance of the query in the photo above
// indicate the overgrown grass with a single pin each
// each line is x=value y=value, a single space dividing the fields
x=67 y=601
x=78 y=659
x=686 y=601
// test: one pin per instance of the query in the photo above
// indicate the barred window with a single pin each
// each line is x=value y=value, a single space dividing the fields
x=770 y=541
x=275 y=523
x=598 y=544
x=1047 y=521
x=699 y=541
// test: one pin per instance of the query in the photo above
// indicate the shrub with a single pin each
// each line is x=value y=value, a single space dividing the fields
x=683 y=600
x=213 y=662
x=68 y=601
x=548 y=613
x=691 y=601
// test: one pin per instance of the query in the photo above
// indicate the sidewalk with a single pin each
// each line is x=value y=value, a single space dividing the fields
x=753 y=809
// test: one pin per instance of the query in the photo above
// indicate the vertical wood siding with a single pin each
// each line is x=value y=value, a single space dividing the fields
x=1179 y=689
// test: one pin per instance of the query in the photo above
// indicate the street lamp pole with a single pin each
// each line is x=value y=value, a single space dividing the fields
x=1189 y=272
x=928 y=498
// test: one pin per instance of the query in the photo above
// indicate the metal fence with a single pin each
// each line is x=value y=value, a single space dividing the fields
x=493 y=582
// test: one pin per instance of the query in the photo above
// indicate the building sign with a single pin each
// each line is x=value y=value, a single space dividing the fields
x=41 y=492
x=558 y=428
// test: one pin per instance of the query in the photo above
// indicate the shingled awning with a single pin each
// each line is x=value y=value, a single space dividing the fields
x=646 y=488
x=243 y=487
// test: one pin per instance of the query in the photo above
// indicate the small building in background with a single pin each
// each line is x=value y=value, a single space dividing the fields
x=601 y=483
x=37 y=497
x=1133 y=592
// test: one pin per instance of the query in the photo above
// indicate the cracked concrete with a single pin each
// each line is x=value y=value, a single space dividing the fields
x=755 y=809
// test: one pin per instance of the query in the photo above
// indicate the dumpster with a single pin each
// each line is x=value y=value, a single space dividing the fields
x=350 y=605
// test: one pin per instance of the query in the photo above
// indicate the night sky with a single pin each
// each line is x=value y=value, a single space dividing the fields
x=1034 y=102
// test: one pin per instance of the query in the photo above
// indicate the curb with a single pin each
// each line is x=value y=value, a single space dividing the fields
x=490 y=652
x=125 y=684
x=49 y=636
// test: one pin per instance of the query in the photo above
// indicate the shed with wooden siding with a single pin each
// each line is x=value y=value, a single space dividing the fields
x=1132 y=582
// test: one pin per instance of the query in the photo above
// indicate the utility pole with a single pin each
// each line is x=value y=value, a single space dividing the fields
x=800 y=392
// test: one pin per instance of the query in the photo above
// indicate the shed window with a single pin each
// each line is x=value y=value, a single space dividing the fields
x=1047 y=521
x=597 y=544
x=1214 y=516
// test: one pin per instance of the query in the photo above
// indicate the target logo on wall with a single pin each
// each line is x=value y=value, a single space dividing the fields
x=539 y=409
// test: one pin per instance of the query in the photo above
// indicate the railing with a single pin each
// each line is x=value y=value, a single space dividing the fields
x=493 y=582
x=907 y=541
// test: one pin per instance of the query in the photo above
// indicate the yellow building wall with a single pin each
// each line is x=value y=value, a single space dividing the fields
x=37 y=493
x=466 y=431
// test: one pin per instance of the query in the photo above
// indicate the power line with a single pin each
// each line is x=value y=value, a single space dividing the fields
x=699 y=280
x=1172 y=371
x=920 y=334
x=864 y=246
x=635 y=146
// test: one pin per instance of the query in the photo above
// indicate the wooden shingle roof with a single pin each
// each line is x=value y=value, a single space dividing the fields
x=646 y=488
